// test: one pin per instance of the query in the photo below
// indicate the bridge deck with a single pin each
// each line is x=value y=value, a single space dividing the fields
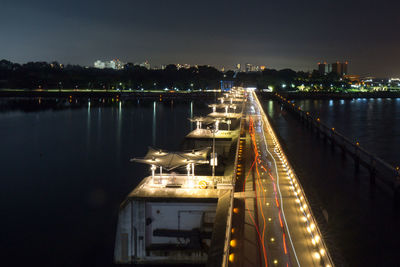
x=272 y=224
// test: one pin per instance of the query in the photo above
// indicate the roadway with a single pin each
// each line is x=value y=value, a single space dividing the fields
x=276 y=227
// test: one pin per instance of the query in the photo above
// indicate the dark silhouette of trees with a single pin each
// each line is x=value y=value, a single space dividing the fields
x=43 y=75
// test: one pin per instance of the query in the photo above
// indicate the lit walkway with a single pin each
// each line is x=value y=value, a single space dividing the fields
x=276 y=212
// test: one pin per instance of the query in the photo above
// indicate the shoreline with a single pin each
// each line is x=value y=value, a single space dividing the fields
x=107 y=94
x=71 y=93
x=330 y=95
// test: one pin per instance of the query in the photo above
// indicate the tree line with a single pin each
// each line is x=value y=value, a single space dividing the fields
x=44 y=75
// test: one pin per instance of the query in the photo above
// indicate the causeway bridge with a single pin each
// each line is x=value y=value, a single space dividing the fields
x=245 y=205
x=272 y=223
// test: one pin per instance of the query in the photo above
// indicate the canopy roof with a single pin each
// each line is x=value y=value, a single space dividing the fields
x=209 y=120
x=222 y=105
x=172 y=160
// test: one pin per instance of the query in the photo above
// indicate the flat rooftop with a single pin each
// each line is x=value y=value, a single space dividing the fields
x=178 y=192
x=228 y=115
x=207 y=134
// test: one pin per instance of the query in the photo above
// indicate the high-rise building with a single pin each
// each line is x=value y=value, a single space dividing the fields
x=337 y=67
x=322 y=68
x=340 y=68
x=238 y=67
x=248 y=67
x=344 y=68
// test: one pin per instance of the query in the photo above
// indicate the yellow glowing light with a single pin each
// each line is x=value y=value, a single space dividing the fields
x=312 y=226
x=275 y=261
x=231 y=257
x=236 y=210
x=308 y=229
x=233 y=243
x=322 y=251
x=317 y=256
x=272 y=239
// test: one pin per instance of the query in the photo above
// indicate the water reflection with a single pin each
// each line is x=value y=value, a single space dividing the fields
x=191 y=115
x=119 y=129
x=60 y=170
x=154 y=122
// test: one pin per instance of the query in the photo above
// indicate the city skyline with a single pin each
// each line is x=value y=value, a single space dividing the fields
x=278 y=35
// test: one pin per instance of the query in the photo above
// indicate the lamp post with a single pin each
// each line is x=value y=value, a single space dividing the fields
x=213 y=159
x=153 y=169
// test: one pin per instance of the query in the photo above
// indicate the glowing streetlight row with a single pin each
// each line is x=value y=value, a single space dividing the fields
x=310 y=223
x=320 y=251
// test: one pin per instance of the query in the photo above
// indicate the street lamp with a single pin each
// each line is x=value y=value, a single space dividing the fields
x=213 y=160
x=153 y=169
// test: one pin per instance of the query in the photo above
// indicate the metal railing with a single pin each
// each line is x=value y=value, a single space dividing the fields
x=378 y=168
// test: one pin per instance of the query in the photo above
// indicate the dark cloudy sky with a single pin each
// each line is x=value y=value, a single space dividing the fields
x=279 y=34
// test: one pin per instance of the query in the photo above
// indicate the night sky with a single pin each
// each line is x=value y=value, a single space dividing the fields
x=279 y=34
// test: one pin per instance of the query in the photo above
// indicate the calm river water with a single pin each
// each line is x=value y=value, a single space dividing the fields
x=65 y=169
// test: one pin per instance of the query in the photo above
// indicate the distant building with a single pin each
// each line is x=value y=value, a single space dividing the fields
x=145 y=64
x=323 y=68
x=238 y=67
x=183 y=66
x=227 y=85
x=248 y=67
x=337 y=67
x=340 y=68
x=251 y=68
x=115 y=64
x=352 y=78
x=99 y=64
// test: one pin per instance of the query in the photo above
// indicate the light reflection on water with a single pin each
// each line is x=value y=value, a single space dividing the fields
x=66 y=169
